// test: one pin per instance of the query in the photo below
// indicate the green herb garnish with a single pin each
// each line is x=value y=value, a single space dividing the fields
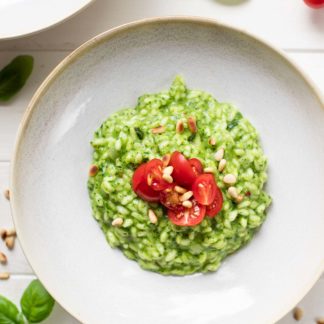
x=139 y=133
x=192 y=137
x=14 y=76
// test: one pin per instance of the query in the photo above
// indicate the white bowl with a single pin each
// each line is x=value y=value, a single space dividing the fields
x=51 y=209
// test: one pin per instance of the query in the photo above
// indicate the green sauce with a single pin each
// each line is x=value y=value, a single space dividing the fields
x=125 y=140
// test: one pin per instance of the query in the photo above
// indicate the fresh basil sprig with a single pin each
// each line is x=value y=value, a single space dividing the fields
x=14 y=76
x=36 y=304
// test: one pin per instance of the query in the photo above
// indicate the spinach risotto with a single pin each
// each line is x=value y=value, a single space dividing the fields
x=174 y=229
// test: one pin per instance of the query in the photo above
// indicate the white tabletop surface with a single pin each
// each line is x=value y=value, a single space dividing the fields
x=288 y=24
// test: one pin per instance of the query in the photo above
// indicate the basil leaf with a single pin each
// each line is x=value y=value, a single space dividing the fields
x=192 y=137
x=9 y=313
x=14 y=76
x=36 y=303
x=139 y=133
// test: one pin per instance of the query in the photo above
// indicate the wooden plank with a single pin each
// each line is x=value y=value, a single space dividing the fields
x=288 y=24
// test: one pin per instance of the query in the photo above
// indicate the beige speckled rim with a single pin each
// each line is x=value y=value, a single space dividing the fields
x=105 y=37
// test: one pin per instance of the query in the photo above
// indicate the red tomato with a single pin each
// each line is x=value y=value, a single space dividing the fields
x=215 y=207
x=170 y=198
x=204 y=189
x=315 y=3
x=153 y=172
x=188 y=216
x=182 y=173
x=196 y=166
x=141 y=187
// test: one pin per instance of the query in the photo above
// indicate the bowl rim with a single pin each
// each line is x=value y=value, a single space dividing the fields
x=106 y=36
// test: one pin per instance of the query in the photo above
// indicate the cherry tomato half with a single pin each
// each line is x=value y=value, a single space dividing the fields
x=170 y=198
x=196 y=166
x=140 y=186
x=215 y=207
x=182 y=173
x=315 y=3
x=153 y=171
x=204 y=189
x=188 y=216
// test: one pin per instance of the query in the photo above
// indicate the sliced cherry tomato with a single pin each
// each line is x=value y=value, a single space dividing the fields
x=153 y=172
x=204 y=189
x=170 y=198
x=182 y=173
x=315 y=3
x=188 y=216
x=140 y=186
x=215 y=207
x=196 y=166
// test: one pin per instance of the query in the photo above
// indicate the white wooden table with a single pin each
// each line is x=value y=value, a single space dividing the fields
x=288 y=24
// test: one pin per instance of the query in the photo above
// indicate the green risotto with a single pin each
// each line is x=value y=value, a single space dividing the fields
x=126 y=140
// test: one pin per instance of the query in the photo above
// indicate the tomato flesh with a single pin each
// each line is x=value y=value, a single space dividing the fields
x=153 y=171
x=204 y=189
x=215 y=207
x=188 y=216
x=315 y=3
x=182 y=173
x=140 y=186
x=196 y=166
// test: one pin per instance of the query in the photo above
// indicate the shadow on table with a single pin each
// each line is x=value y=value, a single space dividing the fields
x=231 y=2
x=317 y=19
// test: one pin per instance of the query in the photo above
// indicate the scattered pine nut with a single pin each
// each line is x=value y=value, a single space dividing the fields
x=166 y=159
x=298 y=313
x=3 y=233
x=239 y=199
x=10 y=242
x=209 y=170
x=232 y=191
x=167 y=178
x=212 y=141
x=93 y=170
x=152 y=216
x=168 y=170
x=320 y=320
x=158 y=130
x=3 y=258
x=149 y=179
x=179 y=126
x=186 y=196
x=219 y=154
x=11 y=232
x=4 y=275
x=229 y=179
x=187 y=204
x=192 y=124
x=180 y=190
x=221 y=165
x=6 y=193
x=117 y=222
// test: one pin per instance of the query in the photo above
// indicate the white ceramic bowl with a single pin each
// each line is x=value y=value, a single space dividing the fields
x=50 y=204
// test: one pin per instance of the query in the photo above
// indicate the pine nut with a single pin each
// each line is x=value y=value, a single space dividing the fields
x=168 y=170
x=149 y=180
x=192 y=124
x=158 y=130
x=186 y=196
x=180 y=190
x=179 y=126
x=166 y=159
x=219 y=154
x=7 y=194
x=232 y=192
x=4 y=275
x=209 y=170
x=152 y=216
x=93 y=170
x=3 y=233
x=117 y=222
x=3 y=258
x=11 y=232
x=212 y=141
x=10 y=242
x=229 y=179
x=167 y=178
x=221 y=165
x=187 y=204
x=239 y=199
x=298 y=313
